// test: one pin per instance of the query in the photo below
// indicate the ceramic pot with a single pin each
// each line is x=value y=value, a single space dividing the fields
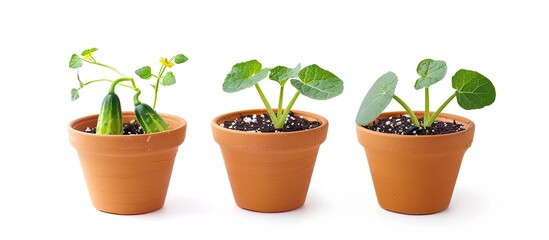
x=127 y=174
x=269 y=172
x=415 y=174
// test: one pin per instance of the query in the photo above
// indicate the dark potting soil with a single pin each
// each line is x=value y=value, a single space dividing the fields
x=262 y=123
x=129 y=128
x=403 y=126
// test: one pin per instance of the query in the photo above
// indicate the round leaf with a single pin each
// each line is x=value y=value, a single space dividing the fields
x=88 y=51
x=144 y=72
x=473 y=90
x=169 y=79
x=319 y=90
x=74 y=94
x=244 y=75
x=431 y=71
x=318 y=83
x=180 y=58
x=281 y=74
x=377 y=99
x=75 y=61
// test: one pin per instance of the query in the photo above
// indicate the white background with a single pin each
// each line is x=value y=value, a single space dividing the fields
x=502 y=187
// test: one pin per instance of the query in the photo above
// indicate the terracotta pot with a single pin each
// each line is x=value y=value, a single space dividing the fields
x=269 y=172
x=127 y=174
x=415 y=174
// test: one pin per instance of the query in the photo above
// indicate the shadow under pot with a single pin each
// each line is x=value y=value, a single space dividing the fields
x=127 y=174
x=269 y=172
x=415 y=174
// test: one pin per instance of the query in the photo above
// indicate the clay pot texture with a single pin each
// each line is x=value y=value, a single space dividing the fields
x=269 y=172
x=127 y=174
x=415 y=174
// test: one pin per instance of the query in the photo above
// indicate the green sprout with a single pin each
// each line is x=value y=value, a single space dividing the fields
x=110 y=119
x=311 y=81
x=473 y=91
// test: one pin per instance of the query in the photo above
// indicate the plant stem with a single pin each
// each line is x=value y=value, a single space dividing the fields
x=439 y=110
x=426 y=116
x=282 y=120
x=136 y=97
x=162 y=69
x=408 y=110
x=107 y=66
x=266 y=103
x=115 y=82
x=280 y=99
x=103 y=80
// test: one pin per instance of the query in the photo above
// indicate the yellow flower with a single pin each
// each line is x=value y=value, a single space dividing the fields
x=165 y=62
x=87 y=56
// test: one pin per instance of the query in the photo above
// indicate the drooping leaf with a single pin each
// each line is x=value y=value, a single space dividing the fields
x=88 y=51
x=281 y=74
x=75 y=61
x=74 y=94
x=244 y=75
x=377 y=99
x=169 y=79
x=473 y=90
x=319 y=90
x=318 y=83
x=144 y=72
x=180 y=58
x=315 y=73
x=431 y=71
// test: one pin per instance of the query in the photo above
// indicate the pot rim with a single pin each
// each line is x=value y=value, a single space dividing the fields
x=323 y=122
x=467 y=123
x=74 y=122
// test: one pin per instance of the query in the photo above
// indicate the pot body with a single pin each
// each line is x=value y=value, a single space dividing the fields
x=269 y=172
x=415 y=174
x=127 y=174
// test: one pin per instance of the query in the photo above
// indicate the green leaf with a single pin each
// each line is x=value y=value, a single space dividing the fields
x=431 y=71
x=74 y=94
x=180 y=58
x=319 y=90
x=75 y=61
x=169 y=79
x=281 y=74
x=244 y=75
x=88 y=51
x=377 y=99
x=473 y=90
x=144 y=72
x=318 y=83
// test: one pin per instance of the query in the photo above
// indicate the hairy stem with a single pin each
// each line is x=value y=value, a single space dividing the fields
x=266 y=103
x=408 y=110
x=280 y=122
x=439 y=110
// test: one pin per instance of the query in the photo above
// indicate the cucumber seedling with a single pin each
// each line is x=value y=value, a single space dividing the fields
x=110 y=115
x=472 y=91
x=311 y=81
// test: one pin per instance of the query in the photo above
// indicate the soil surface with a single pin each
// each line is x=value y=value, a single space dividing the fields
x=403 y=126
x=262 y=123
x=129 y=128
